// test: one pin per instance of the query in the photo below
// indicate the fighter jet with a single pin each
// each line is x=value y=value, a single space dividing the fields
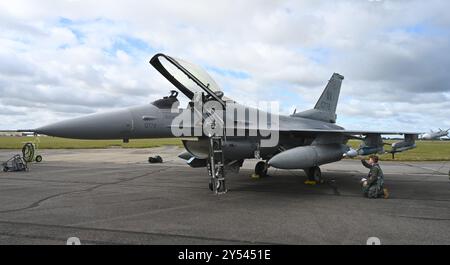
x=435 y=135
x=220 y=140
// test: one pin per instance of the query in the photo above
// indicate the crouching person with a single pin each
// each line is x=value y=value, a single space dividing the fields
x=373 y=186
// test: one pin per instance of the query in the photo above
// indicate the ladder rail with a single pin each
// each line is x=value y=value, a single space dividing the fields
x=216 y=161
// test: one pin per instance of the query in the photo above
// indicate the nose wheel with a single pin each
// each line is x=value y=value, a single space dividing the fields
x=219 y=186
x=217 y=181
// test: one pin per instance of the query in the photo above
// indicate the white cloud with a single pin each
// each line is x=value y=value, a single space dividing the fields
x=66 y=58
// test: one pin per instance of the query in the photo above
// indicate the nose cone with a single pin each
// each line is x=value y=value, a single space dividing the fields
x=109 y=125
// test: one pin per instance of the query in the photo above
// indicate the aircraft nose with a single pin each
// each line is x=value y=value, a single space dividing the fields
x=109 y=125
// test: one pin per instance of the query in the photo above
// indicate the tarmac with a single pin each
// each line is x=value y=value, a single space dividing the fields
x=114 y=196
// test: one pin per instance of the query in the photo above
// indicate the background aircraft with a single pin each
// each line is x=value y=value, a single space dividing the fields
x=435 y=135
x=307 y=139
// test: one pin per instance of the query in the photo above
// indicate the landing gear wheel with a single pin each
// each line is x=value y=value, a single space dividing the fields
x=221 y=186
x=38 y=158
x=314 y=175
x=261 y=169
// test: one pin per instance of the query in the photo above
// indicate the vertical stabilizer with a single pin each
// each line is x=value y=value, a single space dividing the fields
x=325 y=108
x=330 y=96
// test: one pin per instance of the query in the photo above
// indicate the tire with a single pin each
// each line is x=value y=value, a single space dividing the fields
x=314 y=174
x=5 y=169
x=221 y=186
x=38 y=158
x=261 y=169
x=28 y=152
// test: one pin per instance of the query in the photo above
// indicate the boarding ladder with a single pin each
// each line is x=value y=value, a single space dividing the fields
x=216 y=165
x=216 y=158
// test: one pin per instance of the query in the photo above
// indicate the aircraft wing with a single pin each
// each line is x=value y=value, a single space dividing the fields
x=322 y=131
x=287 y=124
x=350 y=132
x=372 y=141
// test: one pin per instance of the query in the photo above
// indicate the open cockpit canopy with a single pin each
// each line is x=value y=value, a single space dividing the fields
x=187 y=77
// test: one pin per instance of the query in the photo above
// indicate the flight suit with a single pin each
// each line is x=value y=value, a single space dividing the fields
x=375 y=181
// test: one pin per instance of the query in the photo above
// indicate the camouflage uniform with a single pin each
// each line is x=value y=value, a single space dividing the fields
x=375 y=181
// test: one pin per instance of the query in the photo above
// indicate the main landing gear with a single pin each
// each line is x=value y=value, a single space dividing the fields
x=260 y=170
x=314 y=175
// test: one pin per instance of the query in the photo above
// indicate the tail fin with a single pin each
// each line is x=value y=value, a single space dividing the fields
x=325 y=108
x=329 y=98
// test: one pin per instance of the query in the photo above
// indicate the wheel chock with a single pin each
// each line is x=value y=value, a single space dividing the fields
x=255 y=176
x=310 y=182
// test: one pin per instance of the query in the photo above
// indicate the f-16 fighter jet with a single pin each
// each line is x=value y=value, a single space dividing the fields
x=435 y=135
x=219 y=133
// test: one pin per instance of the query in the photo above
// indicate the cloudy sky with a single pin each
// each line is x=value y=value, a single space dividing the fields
x=61 y=59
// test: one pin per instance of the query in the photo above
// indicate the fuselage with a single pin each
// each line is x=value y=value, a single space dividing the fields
x=156 y=120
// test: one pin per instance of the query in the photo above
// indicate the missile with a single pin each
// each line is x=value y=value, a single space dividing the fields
x=403 y=146
x=351 y=153
x=308 y=156
x=368 y=150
